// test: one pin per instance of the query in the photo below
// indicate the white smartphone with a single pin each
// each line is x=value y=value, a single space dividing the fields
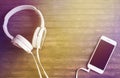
x=101 y=54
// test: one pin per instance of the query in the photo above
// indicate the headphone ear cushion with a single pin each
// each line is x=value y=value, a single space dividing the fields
x=41 y=37
x=35 y=35
x=23 y=43
x=38 y=37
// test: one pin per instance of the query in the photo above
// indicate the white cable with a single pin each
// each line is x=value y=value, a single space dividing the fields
x=87 y=70
x=37 y=66
x=41 y=64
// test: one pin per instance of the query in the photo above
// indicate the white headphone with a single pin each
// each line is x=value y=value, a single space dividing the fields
x=19 y=40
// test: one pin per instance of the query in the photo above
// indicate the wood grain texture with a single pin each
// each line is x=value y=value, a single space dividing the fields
x=73 y=29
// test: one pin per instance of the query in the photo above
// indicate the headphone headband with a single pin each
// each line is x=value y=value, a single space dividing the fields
x=17 y=9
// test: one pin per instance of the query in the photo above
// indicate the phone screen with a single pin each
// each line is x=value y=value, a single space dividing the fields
x=102 y=54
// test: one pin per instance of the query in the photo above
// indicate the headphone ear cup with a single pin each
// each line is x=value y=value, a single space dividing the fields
x=35 y=35
x=38 y=37
x=41 y=37
x=23 y=43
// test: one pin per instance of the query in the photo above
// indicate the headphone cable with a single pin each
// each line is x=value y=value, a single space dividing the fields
x=41 y=63
x=87 y=70
x=37 y=65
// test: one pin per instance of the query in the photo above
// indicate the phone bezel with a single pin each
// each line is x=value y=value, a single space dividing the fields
x=94 y=68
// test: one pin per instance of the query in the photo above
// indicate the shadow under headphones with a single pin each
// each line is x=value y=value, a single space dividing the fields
x=19 y=40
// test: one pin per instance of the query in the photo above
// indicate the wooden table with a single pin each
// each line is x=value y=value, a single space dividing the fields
x=73 y=29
